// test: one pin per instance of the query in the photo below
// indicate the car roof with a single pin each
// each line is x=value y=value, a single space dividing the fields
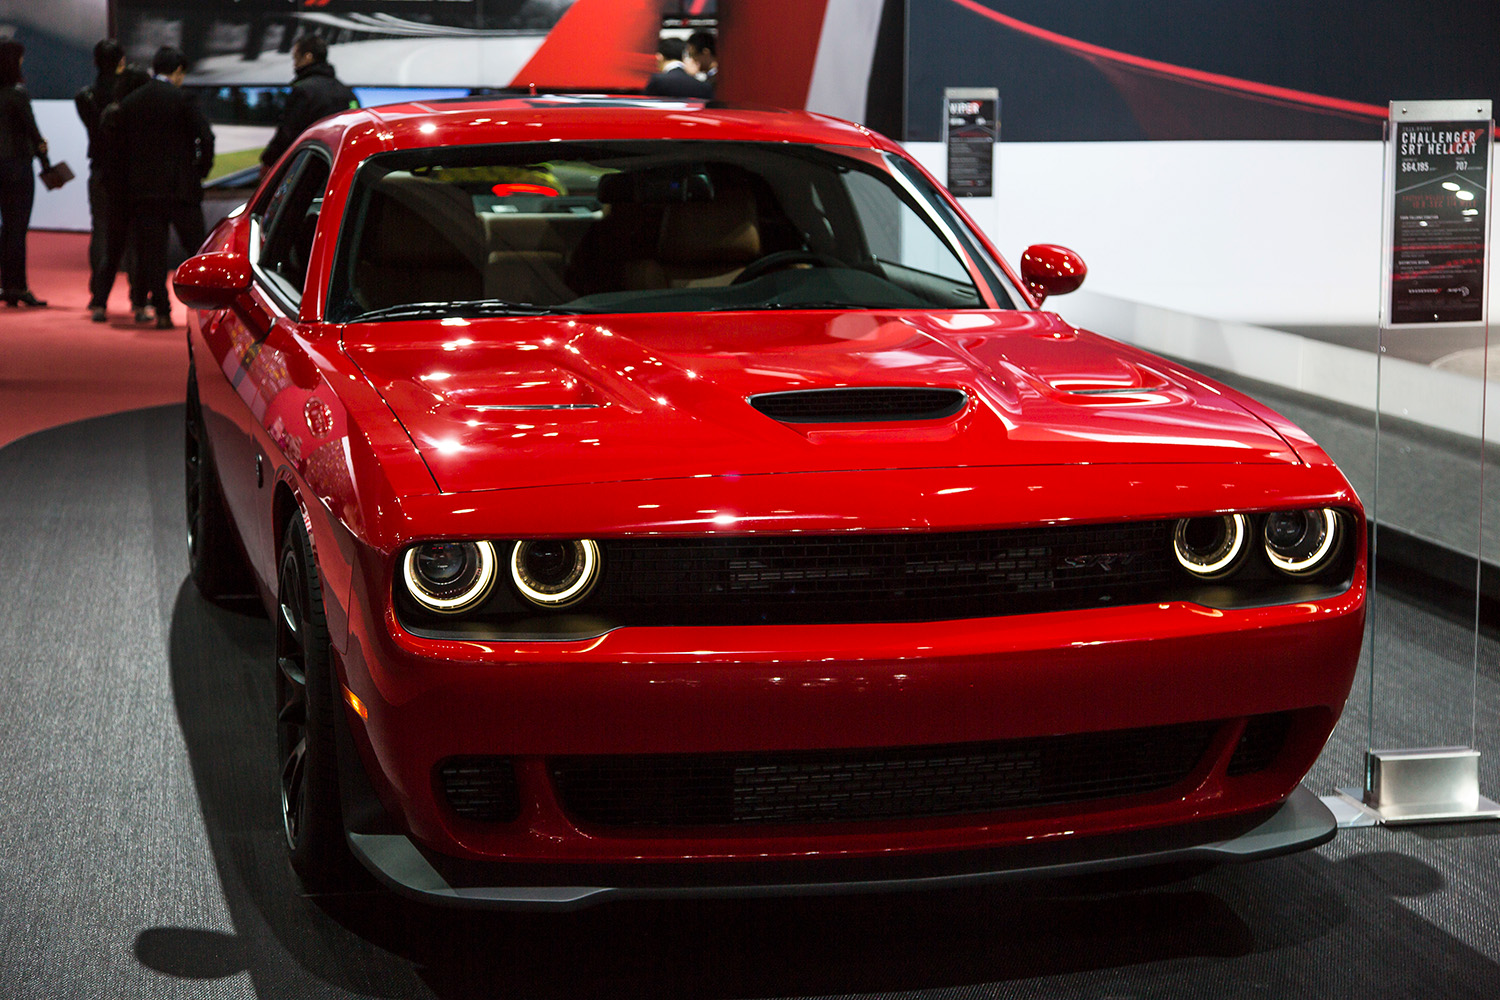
x=472 y=121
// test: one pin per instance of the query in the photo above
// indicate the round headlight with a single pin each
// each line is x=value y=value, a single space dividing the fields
x=1210 y=546
x=449 y=577
x=555 y=573
x=1299 y=542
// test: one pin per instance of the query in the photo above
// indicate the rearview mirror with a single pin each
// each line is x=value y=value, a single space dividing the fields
x=660 y=186
x=1051 y=270
x=212 y=280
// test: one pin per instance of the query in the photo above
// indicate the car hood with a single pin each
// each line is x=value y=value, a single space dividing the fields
x=517 y=402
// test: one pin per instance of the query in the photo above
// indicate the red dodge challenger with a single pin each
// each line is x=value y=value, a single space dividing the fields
x=654 y=498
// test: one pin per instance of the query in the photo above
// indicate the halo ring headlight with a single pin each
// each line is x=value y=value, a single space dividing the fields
x=1210 y=547
x=1300 y=542
x=449 y=577
x=555 y=573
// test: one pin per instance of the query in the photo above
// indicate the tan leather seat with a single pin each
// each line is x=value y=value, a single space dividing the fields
x=422 y=242
x=702 y=242
x=608 y=251
x=525 y=262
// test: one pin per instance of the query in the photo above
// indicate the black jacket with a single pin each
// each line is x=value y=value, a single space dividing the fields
x=19 y=137
x=316 y=93
x=678 y=82
x=92 y=101
x=159 y=144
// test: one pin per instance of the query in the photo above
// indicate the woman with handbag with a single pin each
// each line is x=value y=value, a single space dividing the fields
x=20 y=143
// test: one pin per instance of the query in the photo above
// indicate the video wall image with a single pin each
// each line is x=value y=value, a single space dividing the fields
x=405 y=42
x=401 y=43
x=1090 y=70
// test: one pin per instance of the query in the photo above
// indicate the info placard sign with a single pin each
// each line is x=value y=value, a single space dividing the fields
x=1438 y=156
x=971 y=127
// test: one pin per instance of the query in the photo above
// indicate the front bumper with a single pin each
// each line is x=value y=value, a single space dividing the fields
x=711 y=691
x=1301 y=821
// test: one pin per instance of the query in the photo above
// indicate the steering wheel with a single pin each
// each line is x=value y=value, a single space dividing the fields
x=783 y=259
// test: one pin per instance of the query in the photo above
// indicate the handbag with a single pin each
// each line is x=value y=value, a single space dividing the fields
x=55 y=175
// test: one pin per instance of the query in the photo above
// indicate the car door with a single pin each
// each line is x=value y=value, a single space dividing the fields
x=260 y=354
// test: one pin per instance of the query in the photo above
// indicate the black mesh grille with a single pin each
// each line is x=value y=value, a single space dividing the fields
x=881 y=784
x=480 y=788
x=851 y=406
x=909 y=577
x=1261 y=741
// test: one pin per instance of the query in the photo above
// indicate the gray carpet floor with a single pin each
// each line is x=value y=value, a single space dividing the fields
x=142 y=854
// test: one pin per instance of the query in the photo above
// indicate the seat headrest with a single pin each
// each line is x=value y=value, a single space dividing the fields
x=422 y=222
x=720 y=231
x=616 y=187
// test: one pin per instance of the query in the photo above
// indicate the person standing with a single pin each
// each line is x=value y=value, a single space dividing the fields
x=701 y=57
x=164 y=148
x=671 y=78
x=20 y=143
x=316 y=93
x=108 y=208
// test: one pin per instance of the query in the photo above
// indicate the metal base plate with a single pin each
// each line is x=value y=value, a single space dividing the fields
x=1351 y=811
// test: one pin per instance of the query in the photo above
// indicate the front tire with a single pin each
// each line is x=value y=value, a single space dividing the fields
x=305 y=742
x=214 y=560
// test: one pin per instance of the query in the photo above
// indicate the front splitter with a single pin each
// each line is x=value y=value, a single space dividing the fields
x=1301 y=821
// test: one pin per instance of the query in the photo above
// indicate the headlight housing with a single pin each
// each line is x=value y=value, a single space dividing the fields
x=1210 y=547
x=1301 y=542
x=554 y=573
x=449 y=577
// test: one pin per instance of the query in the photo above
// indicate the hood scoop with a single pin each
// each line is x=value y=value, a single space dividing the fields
x=865 y=405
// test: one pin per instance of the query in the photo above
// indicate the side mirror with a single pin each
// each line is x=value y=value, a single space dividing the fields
x=212 y=280
x=1051 y=270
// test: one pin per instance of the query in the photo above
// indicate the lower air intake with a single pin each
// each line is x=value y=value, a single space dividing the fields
x=480 y=788
x=1261 y=742
x=878 y=784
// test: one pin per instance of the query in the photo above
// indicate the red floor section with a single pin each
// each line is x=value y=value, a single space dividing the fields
x=56 y=366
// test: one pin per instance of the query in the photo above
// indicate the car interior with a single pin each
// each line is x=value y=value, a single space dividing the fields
x=639 y=233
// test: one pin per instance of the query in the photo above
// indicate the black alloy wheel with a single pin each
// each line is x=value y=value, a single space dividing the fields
x=305 y=744
x=214 y=560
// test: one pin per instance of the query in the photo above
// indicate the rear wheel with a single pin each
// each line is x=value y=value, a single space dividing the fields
x=218 y=569
x=305 y=742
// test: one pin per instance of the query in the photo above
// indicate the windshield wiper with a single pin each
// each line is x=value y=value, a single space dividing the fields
x=467 y=307
x=823 y=304
x=762 y=306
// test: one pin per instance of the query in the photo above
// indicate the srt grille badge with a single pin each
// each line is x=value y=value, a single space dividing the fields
x=1106 y=561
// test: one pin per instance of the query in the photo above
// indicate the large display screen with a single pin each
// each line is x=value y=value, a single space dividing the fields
x=1090 y=70
x=59 y=36
x=403 y=43
x=371 y=42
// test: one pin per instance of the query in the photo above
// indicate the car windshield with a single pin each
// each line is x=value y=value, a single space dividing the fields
x=609 y=227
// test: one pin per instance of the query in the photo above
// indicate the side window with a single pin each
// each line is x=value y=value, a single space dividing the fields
x=263 y=213
x=286 y=230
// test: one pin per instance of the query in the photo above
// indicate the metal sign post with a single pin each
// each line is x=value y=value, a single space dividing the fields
x=1436 y=217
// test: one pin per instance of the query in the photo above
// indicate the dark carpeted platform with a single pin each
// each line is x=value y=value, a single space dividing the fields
x=142 y=852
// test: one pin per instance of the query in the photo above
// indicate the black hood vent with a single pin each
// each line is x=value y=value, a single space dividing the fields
x=859 y=406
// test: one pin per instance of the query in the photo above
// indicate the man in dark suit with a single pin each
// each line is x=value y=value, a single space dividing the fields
x=702 y=57
x=671 y=79
x=165 y=148
x=109 y=210
x=316 y=93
